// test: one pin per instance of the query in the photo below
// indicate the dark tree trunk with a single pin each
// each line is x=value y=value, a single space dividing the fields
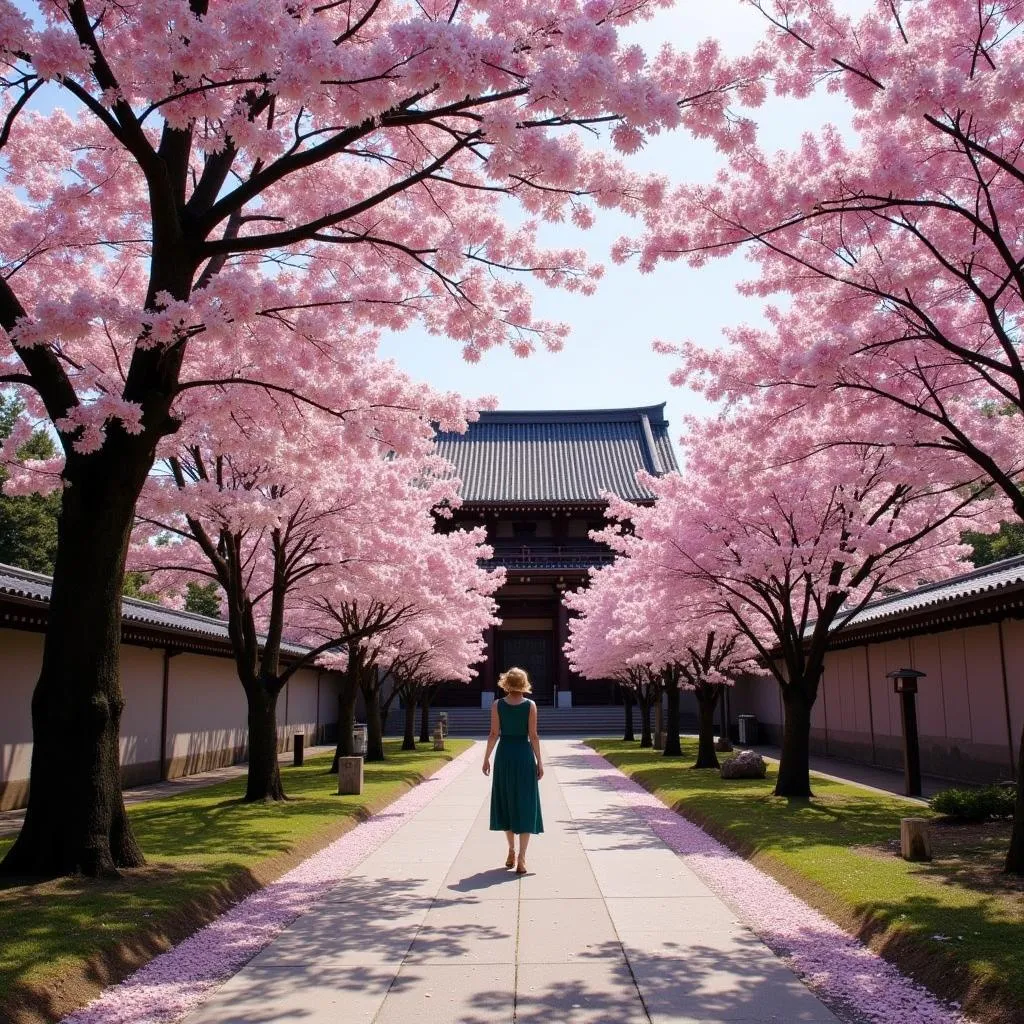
x=795 y=763
x=627 y=702
x=76 y=821
x=646 y=740
x=346 y=720
x=374 y=725
x=409 y=739
x=264 y=778
x=672 y=747
x=707 y=698
x=1015 y=856
x=425 y=717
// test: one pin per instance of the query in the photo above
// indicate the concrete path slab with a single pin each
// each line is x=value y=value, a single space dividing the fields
x=609 y=926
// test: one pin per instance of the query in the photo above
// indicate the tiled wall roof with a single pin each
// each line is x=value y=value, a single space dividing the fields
x=35 y=588
x=571 y=456
x=977 y=584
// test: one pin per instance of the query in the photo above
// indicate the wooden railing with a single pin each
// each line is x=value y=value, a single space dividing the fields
x=555 y=555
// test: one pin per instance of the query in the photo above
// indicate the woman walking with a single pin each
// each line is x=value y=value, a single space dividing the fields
x=515 y=795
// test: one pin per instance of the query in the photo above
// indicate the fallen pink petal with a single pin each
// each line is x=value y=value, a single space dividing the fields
x=858 y=984
x=174 y=983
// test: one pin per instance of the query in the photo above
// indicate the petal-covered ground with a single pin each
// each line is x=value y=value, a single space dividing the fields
x=170 y=985
x=859 y=984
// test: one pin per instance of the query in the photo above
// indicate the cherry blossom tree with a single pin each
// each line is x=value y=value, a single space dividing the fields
x=614 y=638
x=903 y=237
x=790 y=545
x=242 y=195
x=441 y=648
x=660 y=636
x=435 y=598
x=716 y=658
x=593 y=654
x=272 y=504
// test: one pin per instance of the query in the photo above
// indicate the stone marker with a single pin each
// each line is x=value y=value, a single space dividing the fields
x=350 y=776
x=438 y=737
x=747 y=764
x=915 y=843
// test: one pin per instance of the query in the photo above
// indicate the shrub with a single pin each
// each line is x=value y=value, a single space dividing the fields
x=978 y=804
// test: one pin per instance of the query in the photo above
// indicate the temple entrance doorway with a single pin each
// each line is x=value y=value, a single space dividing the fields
x=533 y=652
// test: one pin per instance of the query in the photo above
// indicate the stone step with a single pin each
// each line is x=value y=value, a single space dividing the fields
x=581 y=721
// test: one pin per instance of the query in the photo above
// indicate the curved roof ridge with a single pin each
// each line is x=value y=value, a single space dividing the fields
x=656 y=413
x=572 y=456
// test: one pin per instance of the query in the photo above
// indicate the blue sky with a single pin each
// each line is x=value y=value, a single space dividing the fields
x=607 y=361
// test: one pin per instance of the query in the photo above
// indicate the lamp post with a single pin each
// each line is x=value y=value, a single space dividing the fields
x=905 y=684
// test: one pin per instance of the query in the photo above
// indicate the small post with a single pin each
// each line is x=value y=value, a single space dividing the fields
x=350 y=776
x=915 y=842
x=298 y=751
x=438 y=737
x=905 y=684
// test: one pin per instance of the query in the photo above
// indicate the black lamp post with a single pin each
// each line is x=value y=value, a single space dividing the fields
x=905 y=684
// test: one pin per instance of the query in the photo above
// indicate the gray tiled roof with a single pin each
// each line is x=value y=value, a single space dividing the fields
x=568 y=456
x=1000 y=576
x=35 y=587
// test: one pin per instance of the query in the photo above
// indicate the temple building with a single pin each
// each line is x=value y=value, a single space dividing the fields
x=536 y=481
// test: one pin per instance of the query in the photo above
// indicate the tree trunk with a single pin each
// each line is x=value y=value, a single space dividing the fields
x=374 y=725
x=425 y=717
x=707 y=698
x=75 y=821
x=627 y=701
x=672 y=747
x=409 y=739
x=1015 y=856
x=645 y=723
x=264 y=778
x=346 y=720
x=795 y=763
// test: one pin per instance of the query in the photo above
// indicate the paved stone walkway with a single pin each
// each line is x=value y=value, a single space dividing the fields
x=610 y=927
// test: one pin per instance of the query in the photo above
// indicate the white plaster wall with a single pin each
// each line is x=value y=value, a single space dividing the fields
x=21 y=654
x=297 y=707
x=142 y=670
x=206 y=713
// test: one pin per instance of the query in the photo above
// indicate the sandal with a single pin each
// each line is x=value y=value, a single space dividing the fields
x=511 y=859
x=521 y=867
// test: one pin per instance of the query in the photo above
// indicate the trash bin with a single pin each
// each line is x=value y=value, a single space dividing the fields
x=747 y=729
x=359 y=740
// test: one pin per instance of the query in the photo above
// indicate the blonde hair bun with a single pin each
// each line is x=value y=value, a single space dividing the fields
x=515 y=680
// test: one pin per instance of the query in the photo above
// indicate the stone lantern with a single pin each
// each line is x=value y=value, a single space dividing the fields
x=904 y=682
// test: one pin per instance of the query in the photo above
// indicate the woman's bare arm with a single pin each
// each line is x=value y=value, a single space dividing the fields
x=535 y=740
x=492 y=738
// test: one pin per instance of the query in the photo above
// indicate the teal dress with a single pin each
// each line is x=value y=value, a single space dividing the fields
x=515 y=795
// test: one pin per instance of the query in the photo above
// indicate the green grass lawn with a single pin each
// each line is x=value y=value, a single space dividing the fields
x=204 y=848
x=840 y=853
